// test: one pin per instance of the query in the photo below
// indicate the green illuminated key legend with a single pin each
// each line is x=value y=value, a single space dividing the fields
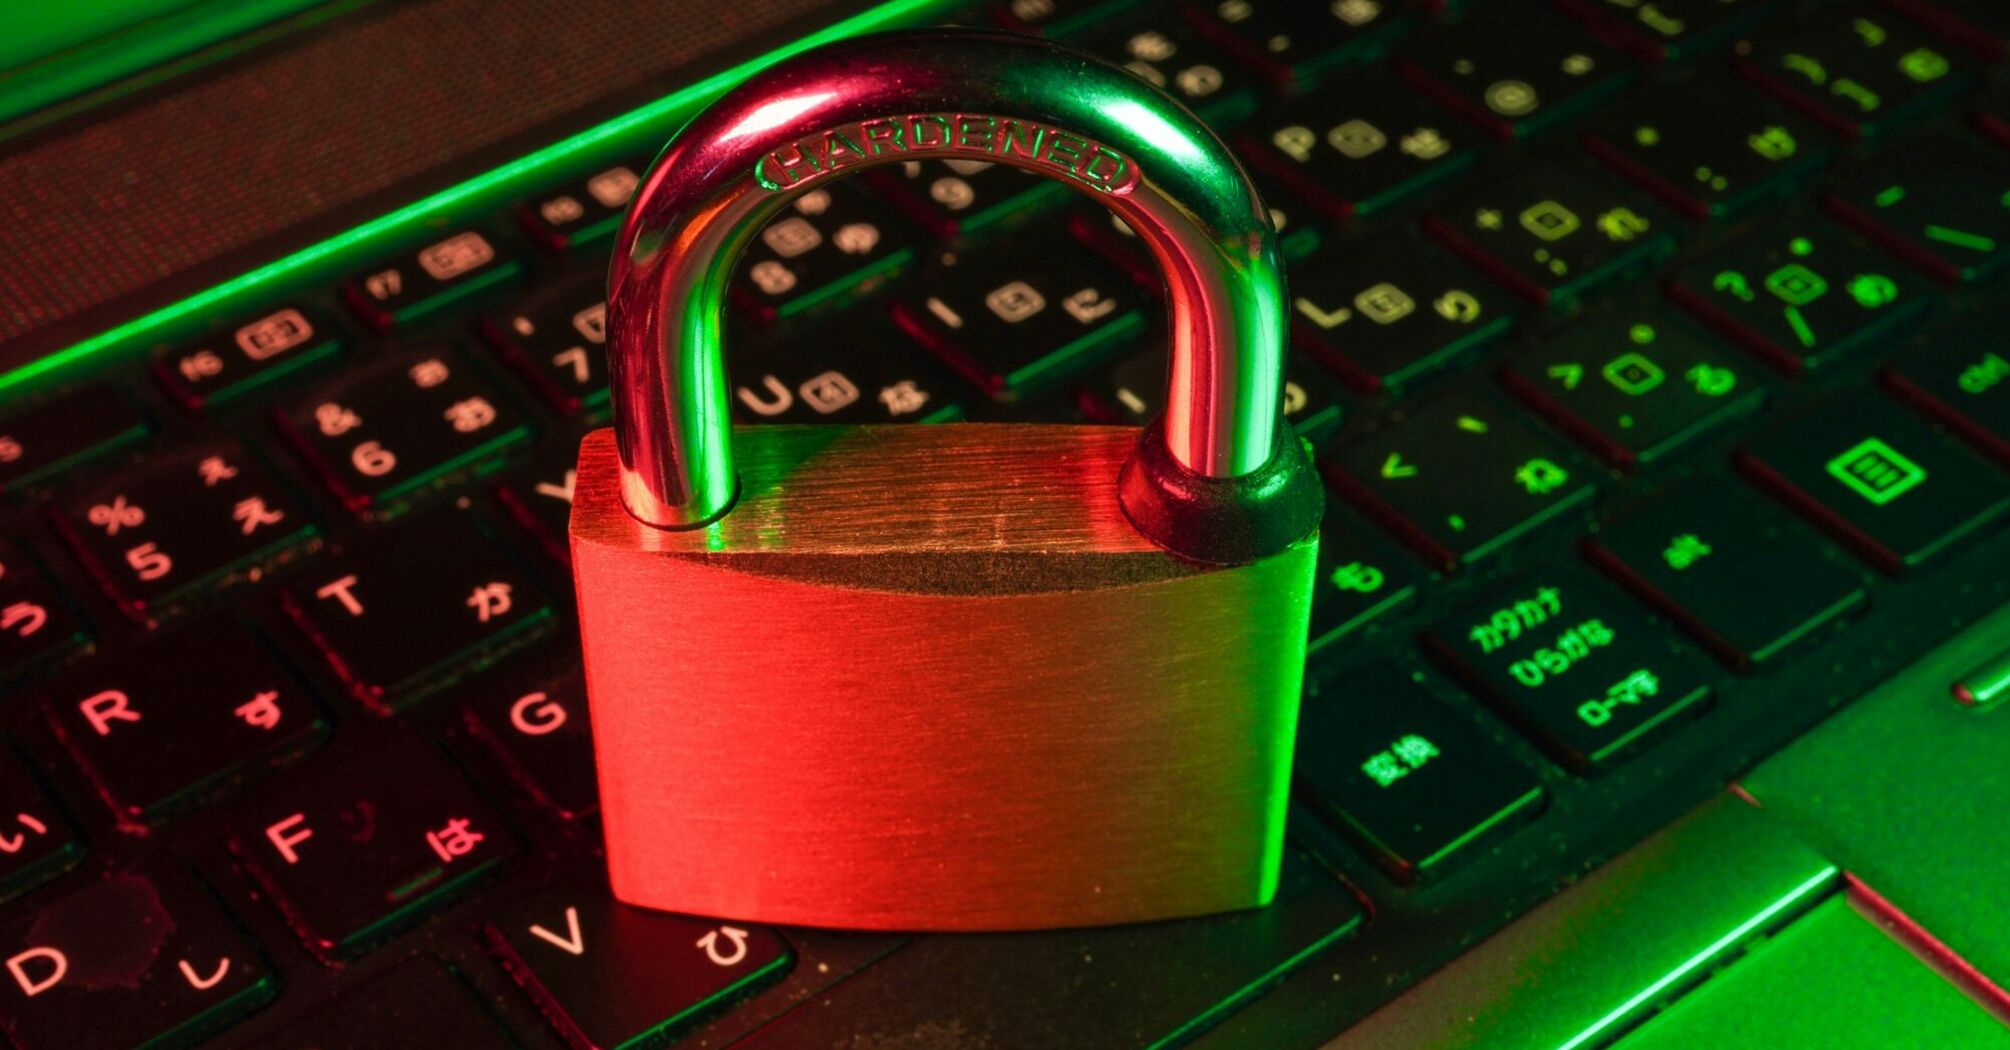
x=1876 y=471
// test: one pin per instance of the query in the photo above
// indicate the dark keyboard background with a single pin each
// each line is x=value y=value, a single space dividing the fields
x=1516 y=350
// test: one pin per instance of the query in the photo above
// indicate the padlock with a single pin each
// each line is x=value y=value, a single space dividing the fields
x=953 y=676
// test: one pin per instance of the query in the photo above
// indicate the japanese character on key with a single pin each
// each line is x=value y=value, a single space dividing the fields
x=454 y=840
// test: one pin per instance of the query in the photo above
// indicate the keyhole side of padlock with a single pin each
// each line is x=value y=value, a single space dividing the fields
x=1217 y=478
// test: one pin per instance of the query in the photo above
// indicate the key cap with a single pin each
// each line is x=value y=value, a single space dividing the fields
x=1135 y=391
x=1554 y=232
x=1942 y=203
x=963 y=202
x=358 y=608
x=1959 y=377
x=976 y=991
x=557 y=342
x=37 y=842
x=1056 y=19
x=1418 y=785
x=356 y=851
x=1170 y=56
x=1633 y=384
x=858 y=368
x=534 y=718
x=400 y=424
x=583 y=214
x=606 y=974
x=247 y=358
x=41 y=442
x=1992 y=114
x=1800 y=294
x=1710 y=148
x=538 y=496
x=831 y=246
x=458 y=269
x=1857 y=69
x=1880 y=481
x=1693 y=552
x=1359 y=147
x=1575 y=663
x=419 y=1004
x=38 y=625
x=1294 y=45
x=127 y=960
x=1672 y=30
x=182 y=720
x=1982 y=26
x=182 y=522
x=1022 y=318
x=1363 y=579
x=1516 y=71
x=1458 y=478
x=1393 y=311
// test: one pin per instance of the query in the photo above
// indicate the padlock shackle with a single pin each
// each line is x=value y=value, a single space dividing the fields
x=940 y=94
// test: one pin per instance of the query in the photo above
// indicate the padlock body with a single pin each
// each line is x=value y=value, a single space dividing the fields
x=930 y=678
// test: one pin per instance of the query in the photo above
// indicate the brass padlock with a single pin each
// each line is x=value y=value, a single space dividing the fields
x=959 y=676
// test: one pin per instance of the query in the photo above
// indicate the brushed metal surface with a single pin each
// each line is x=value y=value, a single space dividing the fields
x=929 y=678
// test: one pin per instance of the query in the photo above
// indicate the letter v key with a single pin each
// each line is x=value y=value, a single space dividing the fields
x=575 y=943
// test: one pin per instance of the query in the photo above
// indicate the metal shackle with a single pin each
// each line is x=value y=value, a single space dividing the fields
x=1217 y=477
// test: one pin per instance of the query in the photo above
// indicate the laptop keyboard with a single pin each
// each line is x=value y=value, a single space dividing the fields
x=1648 y=351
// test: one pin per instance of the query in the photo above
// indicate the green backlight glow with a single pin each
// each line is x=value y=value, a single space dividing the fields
x=662 y=110
x=1598 y=1029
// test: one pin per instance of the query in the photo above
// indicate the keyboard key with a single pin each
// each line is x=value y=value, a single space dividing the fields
x=1878 y=479
x=1418 y=784
x=1633 y=384
x=534 y=718
x=1363 y=579
x=964 y=201
x=1360 y=146
x=1141 y=984
x=1672 y=30
x=1134 y=392
x=858 y=368
x=556 y=340
x=1942 y=203
x=1390 y=312
x=1711 y=148
x=1982 y=26
x=355 y=851
x=1554 y=232
x=1800 y=294
x=606 y=974
x=1961 y=378
x=37 y=842
x=38 y=624
x=538 y=496
x=417 y=1005
x=1294 y=45
x=1574 y=662
x=1857 y=69
x=249 y=358
x=359 y=607
x=453 y=271
x=182 y=720
x=1458 y=478
x=1992 y=114
x=1516 y=70
x=182 y=522
x=130 y=959
x=1173 y=58
x=584 y=213
x=830 y=246
x=400 y=424
x=1021 y=318
x=1693 y=553
x=39 y=443
x=1055 y=19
